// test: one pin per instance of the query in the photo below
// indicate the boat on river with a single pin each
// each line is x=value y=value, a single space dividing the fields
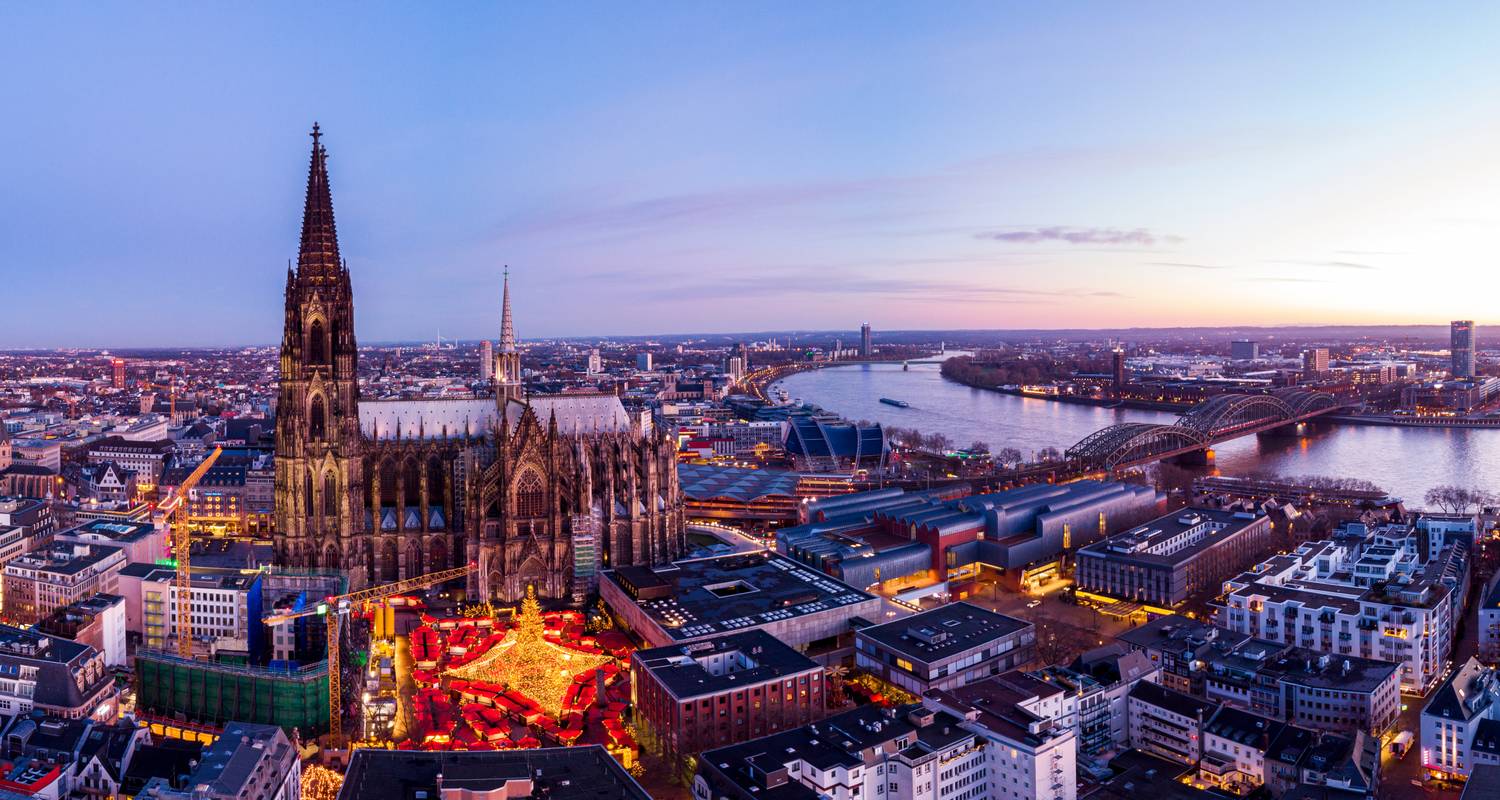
x=897 y=403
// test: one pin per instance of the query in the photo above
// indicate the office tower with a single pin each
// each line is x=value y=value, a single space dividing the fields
x=1461 y=336
x=643 y=362
x=865 y=350
x=1118 y=371
x=596 y=364
x=1314 y=363
x=486 y=361
x=1244 y=350
x=119 y=372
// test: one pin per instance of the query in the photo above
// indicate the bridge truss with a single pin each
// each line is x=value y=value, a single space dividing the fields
x=1213 y=419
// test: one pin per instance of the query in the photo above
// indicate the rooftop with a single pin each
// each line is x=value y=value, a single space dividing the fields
x=758 y=657
x=1157 y=542
x=949 y=629
x=706 y=482
x=701 y=597
x=557 y=773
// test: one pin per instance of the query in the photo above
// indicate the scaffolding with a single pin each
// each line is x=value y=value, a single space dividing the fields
x=209 y=692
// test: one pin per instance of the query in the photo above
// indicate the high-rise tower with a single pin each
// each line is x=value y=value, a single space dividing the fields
x=508 y=360
x=319 y=473
x=1461 y=346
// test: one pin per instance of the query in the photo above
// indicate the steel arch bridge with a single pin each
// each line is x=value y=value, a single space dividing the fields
x=1220 y=417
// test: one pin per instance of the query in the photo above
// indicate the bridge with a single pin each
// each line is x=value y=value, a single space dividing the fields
x=1217 y=419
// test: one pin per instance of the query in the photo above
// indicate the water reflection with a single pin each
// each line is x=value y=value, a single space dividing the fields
x=1404 y=461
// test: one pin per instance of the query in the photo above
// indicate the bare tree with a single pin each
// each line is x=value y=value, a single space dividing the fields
x=1049 y=454
x=977 y=446
x=1009 y=456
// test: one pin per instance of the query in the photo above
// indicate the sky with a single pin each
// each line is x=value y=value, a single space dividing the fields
x=725 y=166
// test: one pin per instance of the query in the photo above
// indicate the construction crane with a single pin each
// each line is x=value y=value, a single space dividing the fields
x=175 y=509
x=334 y=607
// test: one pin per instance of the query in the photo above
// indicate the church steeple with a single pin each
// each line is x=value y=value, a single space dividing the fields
x=507 y=328
x=508 y=359
x=319 y=468
x=319 y=255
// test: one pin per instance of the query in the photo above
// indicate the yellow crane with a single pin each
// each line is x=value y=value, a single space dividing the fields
x=334 y=607
x=175 y=509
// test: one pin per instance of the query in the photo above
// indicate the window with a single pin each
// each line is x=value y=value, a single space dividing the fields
x=317 y=344
x=317 y=419
x=330 y=495
x=531 y=496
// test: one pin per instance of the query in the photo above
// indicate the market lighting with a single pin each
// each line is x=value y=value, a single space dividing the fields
x=528 y=663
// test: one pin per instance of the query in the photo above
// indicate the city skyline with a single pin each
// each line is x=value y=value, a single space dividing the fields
x=717 y=170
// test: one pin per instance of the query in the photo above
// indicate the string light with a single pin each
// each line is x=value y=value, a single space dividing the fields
x=531 y=665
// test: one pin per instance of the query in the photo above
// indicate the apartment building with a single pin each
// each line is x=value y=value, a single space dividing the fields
x=1370 y=596
x=1167 y=723
x=1290 y=684
x=40 y=582
x=97 y=621
x=145 y=459
x=1029 y=751
x=1489 y=621
x=54 y=676
x=1460 y=726
x=871 y=753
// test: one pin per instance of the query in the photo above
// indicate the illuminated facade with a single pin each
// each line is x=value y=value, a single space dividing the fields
x=391 y=489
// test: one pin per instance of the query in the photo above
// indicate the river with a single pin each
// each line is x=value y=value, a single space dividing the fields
x=1403 y=461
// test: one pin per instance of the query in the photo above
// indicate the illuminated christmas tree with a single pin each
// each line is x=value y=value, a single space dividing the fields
x=530 y=664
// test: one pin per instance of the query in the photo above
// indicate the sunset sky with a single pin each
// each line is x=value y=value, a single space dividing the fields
x=682 y=167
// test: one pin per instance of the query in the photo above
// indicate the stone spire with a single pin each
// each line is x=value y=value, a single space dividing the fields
x=507 y=328
x=508 y=359
x=319 y=255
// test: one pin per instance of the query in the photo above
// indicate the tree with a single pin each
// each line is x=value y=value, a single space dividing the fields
x=1009 y=456
x=938 y=442
x=977 y=446
x=1049 y=454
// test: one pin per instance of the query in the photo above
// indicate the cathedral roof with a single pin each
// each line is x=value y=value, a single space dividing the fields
x=384 y=420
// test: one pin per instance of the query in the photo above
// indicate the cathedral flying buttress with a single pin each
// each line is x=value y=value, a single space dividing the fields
x=534 y=491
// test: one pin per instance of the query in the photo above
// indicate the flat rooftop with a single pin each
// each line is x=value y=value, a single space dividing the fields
x=558 y=773
x=725 y=594
x=934 y=635
x=115 y=531
x=1144 y=543
x=762 y=658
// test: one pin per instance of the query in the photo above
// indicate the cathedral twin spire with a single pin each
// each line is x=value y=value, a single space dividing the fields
x=319 y=253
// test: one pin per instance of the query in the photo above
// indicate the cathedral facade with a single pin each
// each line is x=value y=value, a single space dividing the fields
x=542 y=491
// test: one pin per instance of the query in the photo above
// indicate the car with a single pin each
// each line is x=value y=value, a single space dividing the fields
x=1033 y=604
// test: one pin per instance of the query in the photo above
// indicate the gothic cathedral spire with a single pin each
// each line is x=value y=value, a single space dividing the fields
x=319 y=469
x=508 y=360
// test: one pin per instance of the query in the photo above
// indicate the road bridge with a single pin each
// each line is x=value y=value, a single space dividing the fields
x=1217 y=419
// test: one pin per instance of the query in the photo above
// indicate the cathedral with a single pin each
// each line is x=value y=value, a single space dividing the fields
x=540 y=491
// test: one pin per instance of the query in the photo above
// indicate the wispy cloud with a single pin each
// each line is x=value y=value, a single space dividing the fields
x=1369 y=252
x=1187 y=265
x=1266 y=279
x=1068 y=235
x=805 y=283
x=1332 y=264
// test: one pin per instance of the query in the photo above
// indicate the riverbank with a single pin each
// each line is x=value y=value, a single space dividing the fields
x=1412 y=422
x=1405 y=460
x=1096 y=402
